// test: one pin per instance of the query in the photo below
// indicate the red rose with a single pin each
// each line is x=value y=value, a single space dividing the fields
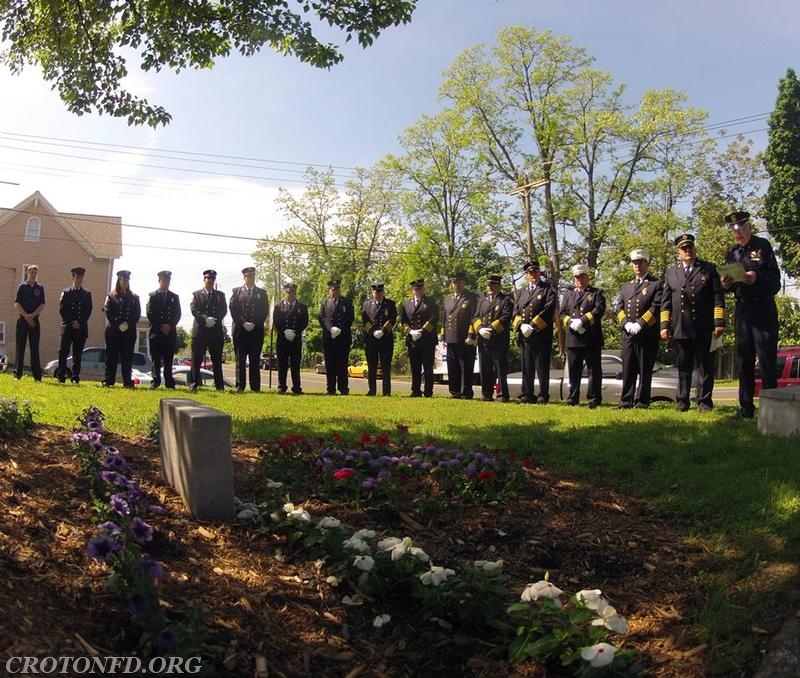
x=366 y=438
x=382 y=439
x=343 y=473
x=486 y=475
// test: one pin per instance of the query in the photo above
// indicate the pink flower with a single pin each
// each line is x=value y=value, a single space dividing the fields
x=344 y=473
x=366 y=438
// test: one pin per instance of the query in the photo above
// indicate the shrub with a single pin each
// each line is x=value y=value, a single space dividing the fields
x=14 y=417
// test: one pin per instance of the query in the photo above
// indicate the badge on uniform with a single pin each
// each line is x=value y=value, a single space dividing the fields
x=590 y=297
x=644 y=292
x=464 y=304
x=755 y=256
x=36 y=292
x=539 y=296
x=703 y=279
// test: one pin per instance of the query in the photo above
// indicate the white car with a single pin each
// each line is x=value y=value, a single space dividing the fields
x=93 y=366
x=663 y=385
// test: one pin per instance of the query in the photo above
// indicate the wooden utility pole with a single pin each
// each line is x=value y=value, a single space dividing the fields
x=524 y=191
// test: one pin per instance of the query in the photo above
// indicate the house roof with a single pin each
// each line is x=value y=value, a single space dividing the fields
x=100 y=236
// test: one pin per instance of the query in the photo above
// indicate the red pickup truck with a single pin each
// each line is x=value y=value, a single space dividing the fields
x=787 y=368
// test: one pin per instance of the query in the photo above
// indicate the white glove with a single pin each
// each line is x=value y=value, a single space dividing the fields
x=248 y=326
x=415 y=334
x=526 y=329
x=635 y=329
x=576 y=325
x=290 y=334
x=377 y=334
x=123 y=327
x=210 y=321
x=581 y=329
x=335 y=332
x=485 y=332
x=627 y=326
x=469 y=341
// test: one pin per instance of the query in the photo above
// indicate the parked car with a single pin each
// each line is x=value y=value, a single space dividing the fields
x=182 y=375
x=664 y=383
x=440 y=366
x=93 y=365
x=269 y=362
x=319 y=368
x=787 y=368
x=360 y=369
x=186 y=360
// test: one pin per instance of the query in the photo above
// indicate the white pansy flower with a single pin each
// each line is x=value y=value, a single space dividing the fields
x=592 y=598
x=329 y=522
x=609 y=618
x=598 y=655
x=365 y=534
x=352 y=601
x=333 y=580
x=401 y=548
x=381 y=620
x=541 y=589
x=436 y=575
x=388 y=543
x=300 y=514
x=355 y=544
x=489 y=565
x=364 y=562
x=419 y=554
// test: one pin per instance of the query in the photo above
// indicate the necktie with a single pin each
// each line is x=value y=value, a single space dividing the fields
x=416 y=304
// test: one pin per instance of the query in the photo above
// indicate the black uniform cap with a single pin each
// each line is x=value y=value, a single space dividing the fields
x=209 y=273
x=78 y=270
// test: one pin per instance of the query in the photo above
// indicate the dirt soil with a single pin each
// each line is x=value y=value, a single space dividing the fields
x=260 y=600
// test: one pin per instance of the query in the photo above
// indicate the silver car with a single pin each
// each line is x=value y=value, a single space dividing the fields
x=93 y=366
x=664 y=384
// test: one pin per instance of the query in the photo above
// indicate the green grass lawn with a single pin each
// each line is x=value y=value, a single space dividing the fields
x=729 y=488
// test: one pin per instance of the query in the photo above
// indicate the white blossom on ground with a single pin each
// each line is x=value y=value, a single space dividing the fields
x=333 y=580
x=300 y=514
x=541 y=589
x=489 y=565
x=388 y=543
x=598 y=655
x=352 y=601
x=365 y=534
x=355 y=544
x=592 y=598
x=436 y=575
x=381 y=620
x=608 y=617
x=329 y=522
x=365 y=563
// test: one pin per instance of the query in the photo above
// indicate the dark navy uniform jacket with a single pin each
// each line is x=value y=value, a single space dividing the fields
x=378 y=315
x=640 y=303
x=30 y=297
x=123 y=308
x=290 y=316
x=163 y=308
x=457 y=316
x=424 y=317
x=757 y=255
x=75 y=304
x=208 y=305
x=336 y=313
x=588 y=305
x=497 y=313
x=692 y=306
x=246 y=306
x=537 y=308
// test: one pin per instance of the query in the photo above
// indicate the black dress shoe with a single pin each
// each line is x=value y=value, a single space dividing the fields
x=525 y=399
x=702 y=407
x=505 y=400
x=682 y=407
x=743 y=414
x=416 y=395
x=487 y=399
x=541 y=400
x=624 y=406
x=592 y=406
x=455 y=396
x=642 y=406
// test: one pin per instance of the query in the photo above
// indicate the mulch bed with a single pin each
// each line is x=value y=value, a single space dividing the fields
x=259 y=598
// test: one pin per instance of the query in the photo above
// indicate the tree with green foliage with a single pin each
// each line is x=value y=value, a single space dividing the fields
x=782 y=160
x=789 y=315
x=80 y=45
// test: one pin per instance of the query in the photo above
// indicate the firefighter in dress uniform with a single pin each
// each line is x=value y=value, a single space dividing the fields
x=418 y=317
x=756 y=313
x=29 y=304
x=692 y=311
x=123 y=310
x=336 y=317
x=458 y=311
x=75 y=308
x=534 y=316
x=637 y=313
x=289 y=320
x=491 y=325
x=208 y=308
x=378 y=317
x=582 y=309
x=164 y=313
x=249 y=308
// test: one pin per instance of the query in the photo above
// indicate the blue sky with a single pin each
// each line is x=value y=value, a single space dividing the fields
x=727 y=56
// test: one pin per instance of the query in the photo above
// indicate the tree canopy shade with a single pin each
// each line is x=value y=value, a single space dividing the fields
x=79 y=44
x=782 y=160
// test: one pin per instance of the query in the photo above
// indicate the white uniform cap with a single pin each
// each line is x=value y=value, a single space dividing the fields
x=640 y=254
x=580 y=269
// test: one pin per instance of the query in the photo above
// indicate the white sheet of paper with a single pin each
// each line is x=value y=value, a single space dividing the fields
x=734 y=271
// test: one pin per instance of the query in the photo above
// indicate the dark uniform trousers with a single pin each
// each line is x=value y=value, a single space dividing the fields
x=248 y=306
x=495 y=312
x=536 y=306
x=458 y=313
x=163 y=308
x=211 y=339
x=336 y=313
x=379 y=315
x=756 y=319
x=639 y=303
x=421 y=353
x=75 y=305
x=692 y=305
x=119 y=345
x=29 y=297
x=289 y=316
x=587 y=305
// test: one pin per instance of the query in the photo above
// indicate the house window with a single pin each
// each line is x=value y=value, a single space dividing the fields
x=2 y=332
x=33 y=229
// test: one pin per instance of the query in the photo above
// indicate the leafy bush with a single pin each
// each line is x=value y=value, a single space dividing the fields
x=14 y=417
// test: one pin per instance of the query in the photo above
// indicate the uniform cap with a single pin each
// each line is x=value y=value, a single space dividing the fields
x=736 y=219
x=164 y=274
x=124 y=274
x=419 y=282
x=494 y=278
x=248 y=269
x=78 y=270
x=637 y=255
x=290 y=286
x=531 y=266
x=209 y=273
x=580 y=269
x=335 y=283
x=458 y=275
x=684 y=239
x=377 y=285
